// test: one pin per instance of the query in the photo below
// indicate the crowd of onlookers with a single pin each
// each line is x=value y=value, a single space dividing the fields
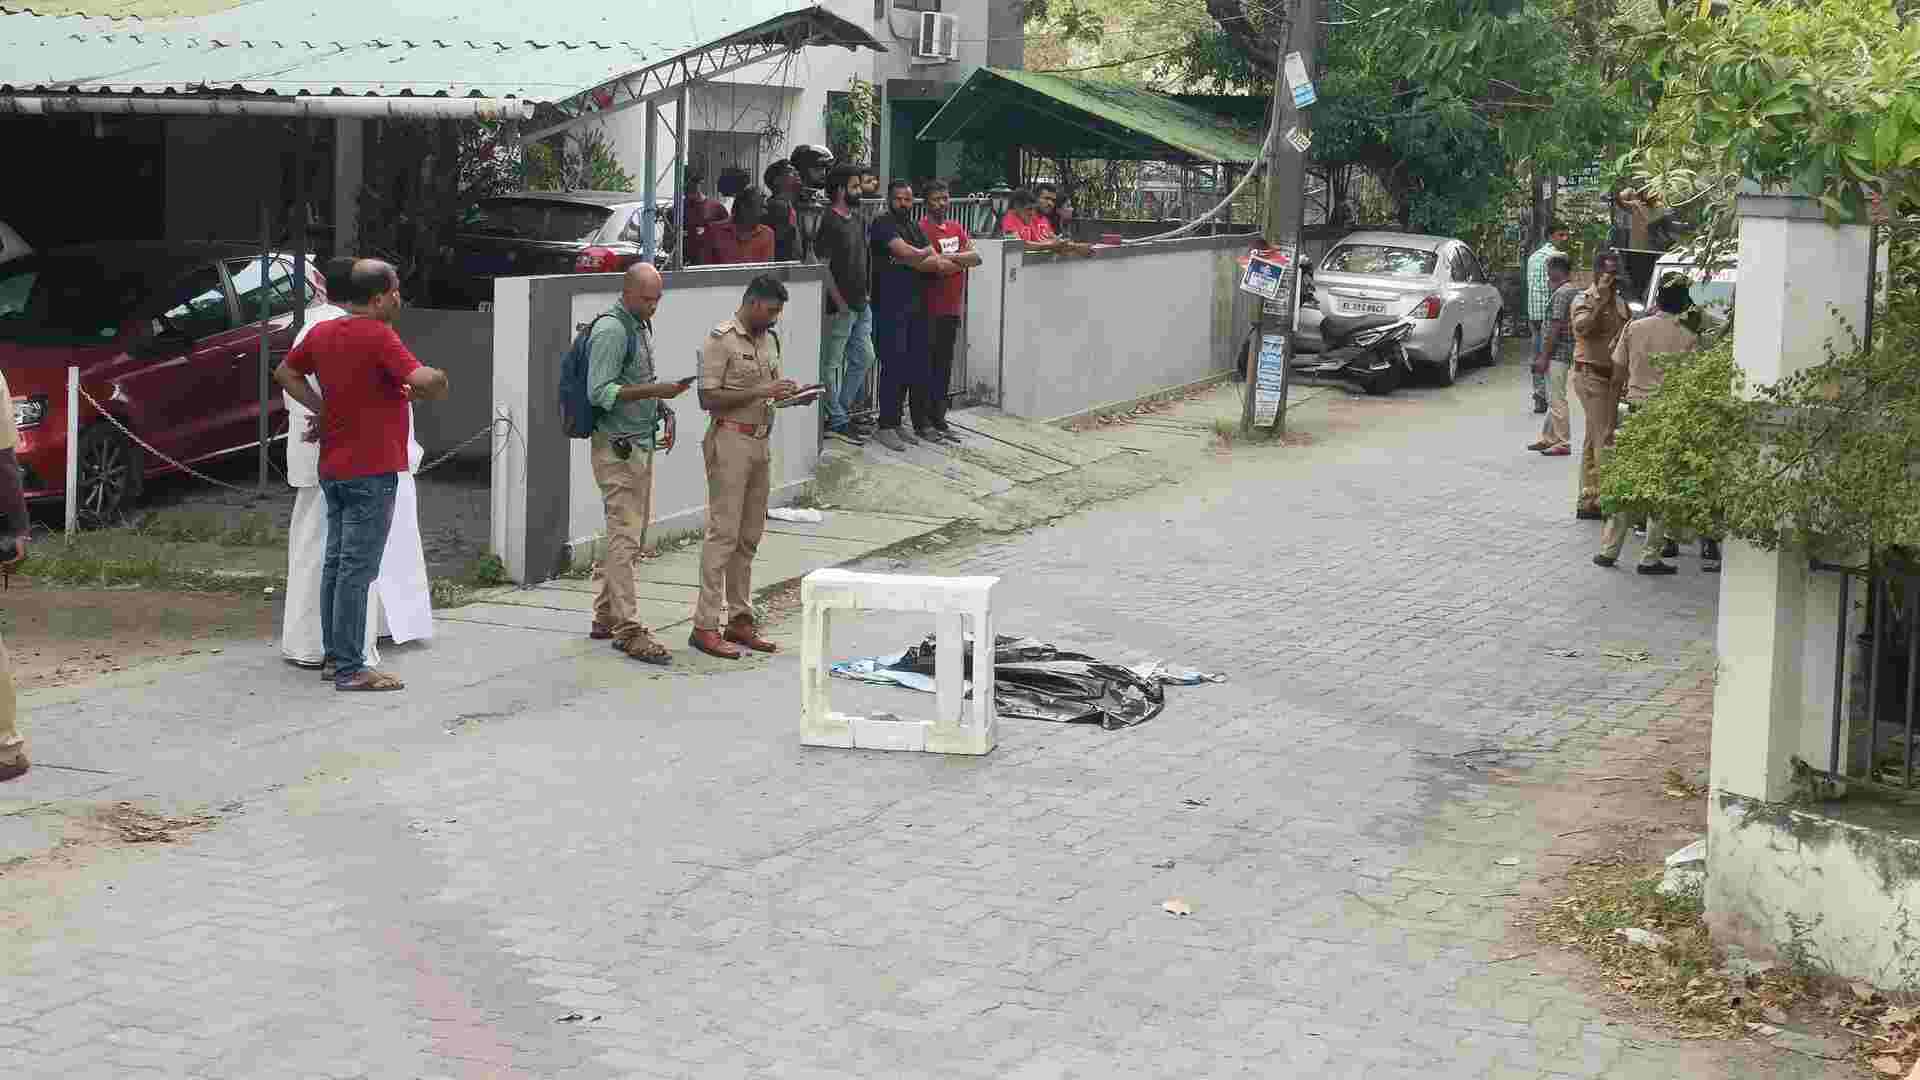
x=1587 y=340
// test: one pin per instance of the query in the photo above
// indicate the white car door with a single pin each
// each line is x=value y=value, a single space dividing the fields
x=1482 y=296
x=1456 y=279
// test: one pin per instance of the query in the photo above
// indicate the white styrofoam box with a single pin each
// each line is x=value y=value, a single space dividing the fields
x=955 y=727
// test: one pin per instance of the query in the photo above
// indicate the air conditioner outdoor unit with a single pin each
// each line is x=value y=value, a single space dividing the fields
x=938 y=38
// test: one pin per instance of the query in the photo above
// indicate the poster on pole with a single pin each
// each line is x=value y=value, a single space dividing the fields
x=1297 y=81
x=1269 y=272
x=1270 y=378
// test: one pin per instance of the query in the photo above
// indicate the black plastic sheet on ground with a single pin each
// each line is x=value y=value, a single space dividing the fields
x=1037 y=681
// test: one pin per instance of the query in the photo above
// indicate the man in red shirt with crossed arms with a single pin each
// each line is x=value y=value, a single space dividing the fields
x=946 y=302
x=367 y=377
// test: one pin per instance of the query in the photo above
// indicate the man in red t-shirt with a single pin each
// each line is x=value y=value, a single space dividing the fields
x=1023 y=222
x=367 y=377
x=946 y=302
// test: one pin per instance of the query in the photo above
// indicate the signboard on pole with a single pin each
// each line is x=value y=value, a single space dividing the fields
x=1270 y=377
x=1298 y=82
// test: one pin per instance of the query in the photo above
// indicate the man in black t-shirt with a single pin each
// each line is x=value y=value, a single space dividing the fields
x=901 y=255
x=846 y=339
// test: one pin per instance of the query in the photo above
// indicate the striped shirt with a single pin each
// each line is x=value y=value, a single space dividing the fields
x=1537 y=292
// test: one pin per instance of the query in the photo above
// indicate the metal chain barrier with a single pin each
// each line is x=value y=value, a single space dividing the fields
x=492 y=427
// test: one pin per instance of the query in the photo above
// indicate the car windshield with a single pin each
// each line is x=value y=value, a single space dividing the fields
x=68 y=300
x=538 y=219
x=1380 y=259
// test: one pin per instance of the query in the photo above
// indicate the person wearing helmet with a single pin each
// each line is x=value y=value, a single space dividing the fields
x=782 y=210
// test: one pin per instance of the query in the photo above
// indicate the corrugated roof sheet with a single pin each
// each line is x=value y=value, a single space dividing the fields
x=1086 y=118
x=486 y=48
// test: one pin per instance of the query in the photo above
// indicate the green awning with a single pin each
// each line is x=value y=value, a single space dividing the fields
x=1067 y=117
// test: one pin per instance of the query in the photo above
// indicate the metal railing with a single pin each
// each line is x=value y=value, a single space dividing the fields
x=1877 y=697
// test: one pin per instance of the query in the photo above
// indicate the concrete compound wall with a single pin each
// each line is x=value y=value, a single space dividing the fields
x=1048 y=338
x=1843 y=895
x=1083 y=334
x=461 y=344
x=546 y=511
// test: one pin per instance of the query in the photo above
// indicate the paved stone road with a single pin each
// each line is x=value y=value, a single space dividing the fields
x=658 y=856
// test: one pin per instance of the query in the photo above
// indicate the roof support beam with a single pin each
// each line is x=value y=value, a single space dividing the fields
x=664 y=80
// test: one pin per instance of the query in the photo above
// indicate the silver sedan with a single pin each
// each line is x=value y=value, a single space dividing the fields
x=1435 y=280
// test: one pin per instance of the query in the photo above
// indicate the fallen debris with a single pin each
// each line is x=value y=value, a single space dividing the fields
x=1646 y=939
x=1037 y=681
x=1177 y=906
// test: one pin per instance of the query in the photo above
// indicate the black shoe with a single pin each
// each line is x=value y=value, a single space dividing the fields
x=1656 y=568
x=1710 y=551
x=1604 y=560
x=1670 y=551
x=1587 y=513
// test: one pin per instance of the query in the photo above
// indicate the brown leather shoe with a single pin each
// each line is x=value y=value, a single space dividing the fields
x=601 y=631
x=744 y=632
x=711 y=643
x=14 y=770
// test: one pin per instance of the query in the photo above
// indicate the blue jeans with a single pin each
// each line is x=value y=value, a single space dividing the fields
x=359 y=513
x=846 y=352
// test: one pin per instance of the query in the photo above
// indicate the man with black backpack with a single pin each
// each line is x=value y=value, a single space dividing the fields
x=620 y=385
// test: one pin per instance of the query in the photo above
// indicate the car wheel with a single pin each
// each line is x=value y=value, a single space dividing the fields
x=110 y=474
x=1490 y=353
x=1449 y=369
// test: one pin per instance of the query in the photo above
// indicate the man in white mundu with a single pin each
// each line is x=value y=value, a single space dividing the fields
x=399 y=605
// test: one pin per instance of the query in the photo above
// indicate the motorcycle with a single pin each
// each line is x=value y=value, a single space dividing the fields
x=1366 y=349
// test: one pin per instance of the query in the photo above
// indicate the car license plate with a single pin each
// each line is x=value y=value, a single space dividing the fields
x=1362 y=307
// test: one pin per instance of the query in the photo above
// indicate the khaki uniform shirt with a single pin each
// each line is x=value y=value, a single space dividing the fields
x=1636 y=373
x=1595 y=325
x=733 y=359
x=9 y=434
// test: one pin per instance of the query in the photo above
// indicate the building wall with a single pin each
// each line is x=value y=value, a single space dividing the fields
x=216 y=178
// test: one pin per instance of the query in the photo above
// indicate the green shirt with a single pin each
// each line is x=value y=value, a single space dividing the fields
x=608 y=369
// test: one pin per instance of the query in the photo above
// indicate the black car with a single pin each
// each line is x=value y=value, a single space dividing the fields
x=540 y=232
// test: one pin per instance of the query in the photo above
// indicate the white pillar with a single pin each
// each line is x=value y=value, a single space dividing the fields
x=1802 y=283
x=349 y=174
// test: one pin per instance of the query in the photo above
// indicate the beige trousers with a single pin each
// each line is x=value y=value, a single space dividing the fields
x=1614 y=537
x=739 y=478
x=13 y=748
x=626 y=490
x=1556 y=429
x=1602 y=409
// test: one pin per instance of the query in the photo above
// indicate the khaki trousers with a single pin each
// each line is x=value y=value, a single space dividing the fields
x=1614 y=537
x=1602 y=409
x=739 y=478
x=626 y=490
x=12 y=747
x=1556 y=429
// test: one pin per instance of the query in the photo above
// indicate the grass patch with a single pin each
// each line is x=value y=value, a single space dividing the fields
x=484 y=572
x=204 y=527
x=1686 y=977
x=119 y=558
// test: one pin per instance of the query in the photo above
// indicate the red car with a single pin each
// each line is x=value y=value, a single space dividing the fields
x=167 y=338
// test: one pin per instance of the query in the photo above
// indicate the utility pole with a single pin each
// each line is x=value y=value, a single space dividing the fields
x=1285 y=187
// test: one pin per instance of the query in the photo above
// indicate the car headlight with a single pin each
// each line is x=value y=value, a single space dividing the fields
x=29 y=411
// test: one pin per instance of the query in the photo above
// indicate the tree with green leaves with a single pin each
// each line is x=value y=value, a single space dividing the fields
x=1824 y=100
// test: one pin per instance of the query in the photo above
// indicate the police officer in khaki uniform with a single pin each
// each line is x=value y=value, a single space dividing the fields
x=13 y=547
x=1599 y=314
x=739 y=382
